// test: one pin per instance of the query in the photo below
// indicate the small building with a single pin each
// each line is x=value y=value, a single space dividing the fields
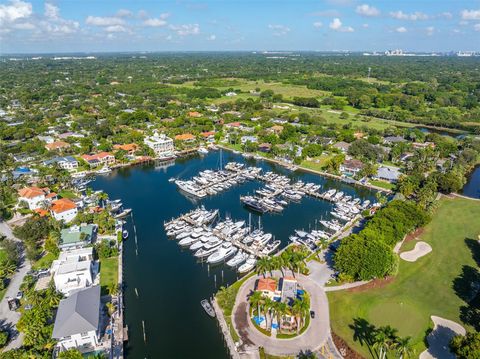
x=231 y=94
x=99 y=159
x=288 y=288
x=404 y=157
x=185 y=137
x=388 y=173
x=57 y=146
x=77 y=321
x=351 y=167
x=245 y=139
x=422 y=145
x=276 y=129
x=267 y=286
x=35 y=197
x=46 y=139
x=391 y=140
x=194 y=114
x=233 y=125
x=68 y=162
x=160 y=144
x=64 y=210
x=74 y=270
x=208 y=136
x=130 y=148
x=77 y=236
x=342 y=146
x=265 y=147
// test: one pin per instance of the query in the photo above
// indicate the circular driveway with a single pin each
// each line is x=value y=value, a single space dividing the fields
x=314 y=337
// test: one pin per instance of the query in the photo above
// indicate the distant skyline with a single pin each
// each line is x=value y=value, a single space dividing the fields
x=328 y=25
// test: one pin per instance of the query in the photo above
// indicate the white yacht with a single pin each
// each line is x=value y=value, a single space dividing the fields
x=248 y=265
x=238 y=259
x=223 y=253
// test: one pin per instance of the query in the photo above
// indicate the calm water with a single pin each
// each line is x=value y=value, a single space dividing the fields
x=472 y=187
x=169 y=281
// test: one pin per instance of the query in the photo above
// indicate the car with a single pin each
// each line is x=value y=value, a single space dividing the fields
x=312 y=314
x=43 y=273
x=19 y=295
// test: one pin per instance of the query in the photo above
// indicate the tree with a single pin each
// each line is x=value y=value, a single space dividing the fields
x=466 y=347
x=263 y=266
x=256 y=300
x=70 y=354
x=403 y=347
x=3 y=338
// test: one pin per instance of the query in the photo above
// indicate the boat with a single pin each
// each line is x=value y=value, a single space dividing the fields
x=271 y=247
x=238 y=259
x=122 y=214
x=172 y=179
x=124 y=234
x=248 y=265
x=208 y=307
x=223 y=253
x=202 y=151
x=104 y=170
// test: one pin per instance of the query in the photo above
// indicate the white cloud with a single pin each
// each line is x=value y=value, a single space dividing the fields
x=212 y=37
x=15 y=10
x=367 y=10
x=124 y=13
x=445 y=15
x=116 y=28
x=24 y=26
x=430 y=30
x=470 y=14
x=336 y=25
x=476 y=27
x=51 y=11
x=154 y=22
x=417 y=15
x=186 y=29
x=401 y=29
x=365 y=26
x=104 y=21
x=279 y=30
x=317 y=24
x=53 y=23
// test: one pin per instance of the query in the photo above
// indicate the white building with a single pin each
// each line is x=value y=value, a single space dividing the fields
x=64 y=210
x=68 y=162
x=161 y=145
x=74 y=270
x=35 y=197
x=77 y=321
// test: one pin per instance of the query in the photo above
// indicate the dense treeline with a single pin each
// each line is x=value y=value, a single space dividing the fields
x=369 y=254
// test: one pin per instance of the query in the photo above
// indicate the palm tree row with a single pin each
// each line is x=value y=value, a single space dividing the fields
x=386 y=339
x=271 y=309
x=290 y=259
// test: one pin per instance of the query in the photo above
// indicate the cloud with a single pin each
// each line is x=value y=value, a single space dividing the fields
x=336 y=25
x=53 y=23
x=367 y=10
x=104 y=21
x=317 y=24
x=401 y=29
x=51 y=11
x=154 y=22
x=476 y=27
x=430 y=30
x=15 y=10
x=417 y=15
x=445 y=15
x=470 y=14
x=116 y=28
x=186 y=29
x=124 y=13
x=212 y=37
x=279 y=30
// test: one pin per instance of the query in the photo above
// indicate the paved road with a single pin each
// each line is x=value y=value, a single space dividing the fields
x=8 y=318
x=313 y=338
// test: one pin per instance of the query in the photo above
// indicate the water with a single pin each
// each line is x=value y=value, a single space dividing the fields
x=169 y=282
x=472 y=187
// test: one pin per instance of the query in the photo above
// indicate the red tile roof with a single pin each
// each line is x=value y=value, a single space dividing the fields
x=185 y=137
x=57 y=145
x=267 y=284
x=96 y=156
x=32 y=192
x=63 y=205
x=208 y=134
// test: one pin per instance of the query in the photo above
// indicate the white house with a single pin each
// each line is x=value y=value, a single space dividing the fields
x=64 y=210
x=68 y=162
x=74 y=270
x=161 y=145
x=388 y=173
x=77 y=321
x=35 y=197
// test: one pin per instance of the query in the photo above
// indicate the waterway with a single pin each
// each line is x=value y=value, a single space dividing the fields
x=472 y=187
x=169 y=281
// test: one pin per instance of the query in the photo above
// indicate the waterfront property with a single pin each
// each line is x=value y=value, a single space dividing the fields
x=77 y=236
x=67 y=162
x=35 y=197
x=161 y=145
x=64 y=209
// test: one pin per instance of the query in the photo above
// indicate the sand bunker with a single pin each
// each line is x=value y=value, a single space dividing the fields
x=443 y=331
x=421 y=249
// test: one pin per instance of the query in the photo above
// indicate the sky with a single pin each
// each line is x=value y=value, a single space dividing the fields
x=59 y=26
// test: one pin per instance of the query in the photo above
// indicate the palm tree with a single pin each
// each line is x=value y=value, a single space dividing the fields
x=381 y=343
x=404 y=347
x=263 y=266
x=267 y=306
x=385 y=339
x=256 y=299
x=282 y=309
x=277 y=263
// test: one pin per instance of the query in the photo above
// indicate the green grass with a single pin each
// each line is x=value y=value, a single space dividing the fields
x=67 y=194
x=317 y=163
x=108 y=273
x=383 y=184
x=44 y=262
x=422 y=288
x=3 y=255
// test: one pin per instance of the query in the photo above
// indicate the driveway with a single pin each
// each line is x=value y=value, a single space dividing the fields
x=8 y=318
x=314 y=337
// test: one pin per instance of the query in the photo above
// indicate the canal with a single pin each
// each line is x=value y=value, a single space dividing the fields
x=169 y=281
x=472 y=187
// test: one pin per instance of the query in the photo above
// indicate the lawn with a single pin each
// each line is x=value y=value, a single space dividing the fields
x=108 y=273
x=382 y=184
x=44 y=262
x=317 y=163
x=422 y=288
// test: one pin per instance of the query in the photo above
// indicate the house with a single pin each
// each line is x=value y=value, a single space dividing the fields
x=67 y=162
x=420 y=145
x=194 y=114
x=234 y=125
x=358 y=135
x=57 y=146
x=351 y=167
x=35 y=197
x=265 y=147
x=231 y=94
x=77 y=321
x=276 y=129
x=74 y=270
x=267 y=286
x=46 y=139
x=64 y=210
x=245 y=139
x=186 y=137
x=391 y=140
x=70 y=134
x=288 y=288
x=99 y=159
x=342 y=146
x=404 y=157
x=130 y=148
x=324 y=141
x=208 y=136
x=23 y=158
x=77 y=236
x=160 y=144
x=388 y=173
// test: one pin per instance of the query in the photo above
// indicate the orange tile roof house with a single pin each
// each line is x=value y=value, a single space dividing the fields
x=35 y=196
x=57 y=145
x=131 y=148
x=187 y=137
x=64 y=209
x=194 y=114
x=267 y=285
x=102 y=158
x=277 y=129
x=234 y=124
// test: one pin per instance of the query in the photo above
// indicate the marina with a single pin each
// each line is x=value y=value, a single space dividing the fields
x=170 y=278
